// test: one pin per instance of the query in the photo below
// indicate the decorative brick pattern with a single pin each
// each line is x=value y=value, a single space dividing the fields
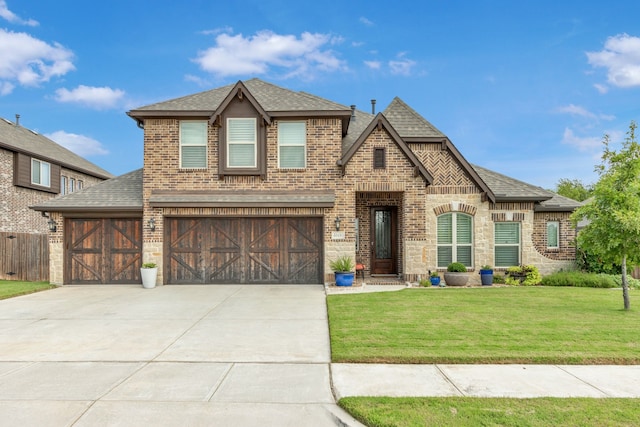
x=566 y=251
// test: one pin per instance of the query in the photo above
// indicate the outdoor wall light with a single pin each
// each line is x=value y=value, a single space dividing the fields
x=152 y=224
x=337 y=223
x=52 y=225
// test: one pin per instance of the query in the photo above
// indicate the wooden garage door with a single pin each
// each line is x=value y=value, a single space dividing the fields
x=103 y=251
x=244 y=250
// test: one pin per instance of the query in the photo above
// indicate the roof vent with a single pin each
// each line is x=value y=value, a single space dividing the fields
x=373 y=106
x=17 y=119
x=353 y=112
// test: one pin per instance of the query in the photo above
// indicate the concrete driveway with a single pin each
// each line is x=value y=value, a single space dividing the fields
x=173 y=355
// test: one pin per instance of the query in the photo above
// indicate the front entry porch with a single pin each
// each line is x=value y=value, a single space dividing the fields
x=379 y=233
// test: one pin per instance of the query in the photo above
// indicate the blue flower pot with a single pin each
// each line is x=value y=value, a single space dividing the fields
x=435 y=281
x=344 y=279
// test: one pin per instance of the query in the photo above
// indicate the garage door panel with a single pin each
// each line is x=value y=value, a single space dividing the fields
x=103 y=250
x=185 y=247
x=247 y=250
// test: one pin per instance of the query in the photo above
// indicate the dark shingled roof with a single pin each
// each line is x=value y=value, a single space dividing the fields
x=408 y=123
x=272 y=98
x=122 y=193
x=509 y=189
x=18 y=138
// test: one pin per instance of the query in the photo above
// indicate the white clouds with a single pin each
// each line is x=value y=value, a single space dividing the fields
x=588 y=143
x=239 y=55
x=577 y=110
x=402 y=66
x=29 y=61
x=601 y=88
x=374 y=65
x=79 y=144
x=13 y=18
x=366 y=21
x=621 y=58
x=93 y=97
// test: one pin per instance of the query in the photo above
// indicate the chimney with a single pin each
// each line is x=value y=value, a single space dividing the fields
x=353 y=112
x=373 y=106
x=17 y=119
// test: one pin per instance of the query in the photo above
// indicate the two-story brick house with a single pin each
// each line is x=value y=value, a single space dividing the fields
x=254 y=183
x=33 y=169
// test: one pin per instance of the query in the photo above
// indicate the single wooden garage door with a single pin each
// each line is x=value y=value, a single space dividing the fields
x=243 y=250
x=103 y=250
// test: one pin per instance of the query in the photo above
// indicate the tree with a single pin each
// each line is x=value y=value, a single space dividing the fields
x=613 y=232
x=574 y=189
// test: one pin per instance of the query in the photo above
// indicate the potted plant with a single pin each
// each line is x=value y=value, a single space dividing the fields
x=434 y=277
x=486 y=275
x=149 y=273
x=343 y=269
x=456 y=274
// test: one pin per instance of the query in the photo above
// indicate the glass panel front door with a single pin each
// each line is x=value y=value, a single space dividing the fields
x=383 y=245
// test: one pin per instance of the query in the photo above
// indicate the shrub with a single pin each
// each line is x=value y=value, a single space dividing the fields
x=149 y=265
x=344 y=264
x=499 y=279
x=456 y=267
x=425 y=282
x=526 y=275
x=434 y=274
x=580 y=279
x=486 y=267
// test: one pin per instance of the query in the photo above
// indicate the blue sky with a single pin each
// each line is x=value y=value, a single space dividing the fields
x=525 y=88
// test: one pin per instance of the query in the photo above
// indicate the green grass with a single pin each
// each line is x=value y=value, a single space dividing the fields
x=14 y=288
x=538 y=325
x=467 y=411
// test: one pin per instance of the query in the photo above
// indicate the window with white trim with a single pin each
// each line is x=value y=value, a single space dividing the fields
x=72 y=185
x=193 y=144
x=455 y=239
x=292 y=145
x=40 y=173
x=507 y=244
x=241 y=143
x=553 y=234
x=63 y=185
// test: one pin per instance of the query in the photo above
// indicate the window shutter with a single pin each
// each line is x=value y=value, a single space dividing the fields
x=507 y=233
x=379 y=158
x=445 y=229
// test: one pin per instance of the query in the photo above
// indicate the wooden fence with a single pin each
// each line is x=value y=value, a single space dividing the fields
x=24 y=256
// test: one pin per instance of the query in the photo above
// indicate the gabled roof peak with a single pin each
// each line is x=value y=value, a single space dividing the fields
x=408 y=123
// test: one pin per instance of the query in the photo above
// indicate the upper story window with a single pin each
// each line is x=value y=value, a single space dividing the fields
x=80 y=185
x=379 y=158
x=63 y=184
x=292 y=145
x=72 y=185
x=507 y=244
x=241 y=143
x=40 y=173
x=553 y=234
x=455 y=239
x=193 y=144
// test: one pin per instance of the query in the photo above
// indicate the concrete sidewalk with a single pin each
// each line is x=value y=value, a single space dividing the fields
x=518 y=381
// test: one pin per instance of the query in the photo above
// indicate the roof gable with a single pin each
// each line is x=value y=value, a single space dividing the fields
x=241 y=92
x=380 y=122
x=19 y=139
x=410 y=125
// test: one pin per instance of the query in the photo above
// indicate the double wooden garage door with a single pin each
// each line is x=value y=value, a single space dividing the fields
x=243 y=250
x=103 y=250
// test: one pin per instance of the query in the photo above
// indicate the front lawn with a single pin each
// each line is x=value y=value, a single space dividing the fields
x=538 y=325
x=14 y=288
x=473 y=411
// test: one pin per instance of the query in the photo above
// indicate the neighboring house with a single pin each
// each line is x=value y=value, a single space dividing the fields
x=33 y=169
x=255 y=183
